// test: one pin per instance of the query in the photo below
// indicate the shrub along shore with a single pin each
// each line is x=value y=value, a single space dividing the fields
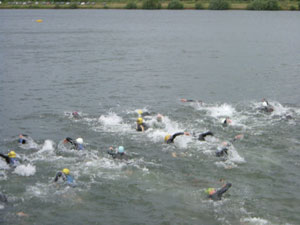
x=156 y=4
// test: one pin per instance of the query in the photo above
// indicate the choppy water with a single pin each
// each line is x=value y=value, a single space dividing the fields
x=106 y=64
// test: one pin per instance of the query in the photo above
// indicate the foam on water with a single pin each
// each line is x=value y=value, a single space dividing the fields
x=255 y=221
x=112 y=122
x=112 y=119
x=47 y=146
x=25 y=170
x=1 y=206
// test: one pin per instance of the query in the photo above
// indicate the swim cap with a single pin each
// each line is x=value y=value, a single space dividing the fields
x=265 y=104
x=140 y=111
x=210 y=191
x=167 y=137
x=12 y=154
x=66 y=171
x=121 y=149
x=140 y=120
x=79 y=140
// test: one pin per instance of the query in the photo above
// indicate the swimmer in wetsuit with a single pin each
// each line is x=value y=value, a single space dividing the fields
x=76 y=115
x=140 y=125
x=65 y=176
x=217 y=195
x=266 y=106
x=190 y=100
x=23 y=139
x=170 y=138
x=3 y=198
x=78 y=143
x=226 y=122
x=223 y=150
x=202 y=136
x=10 y=158
x=119 y=154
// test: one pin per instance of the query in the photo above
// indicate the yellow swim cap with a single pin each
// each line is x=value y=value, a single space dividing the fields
x=66 y=171
x=140 y=111
x=167 y=137
x=140 y=120
x=210 y=191
x=39 y=21
x=12 y=154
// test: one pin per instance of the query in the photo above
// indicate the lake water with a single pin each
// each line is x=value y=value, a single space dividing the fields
x=107 y=64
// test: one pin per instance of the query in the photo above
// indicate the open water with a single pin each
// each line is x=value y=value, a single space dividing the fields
x=107 y=64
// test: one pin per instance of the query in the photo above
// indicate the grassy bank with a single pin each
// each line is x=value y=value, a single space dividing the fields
x=204 y=4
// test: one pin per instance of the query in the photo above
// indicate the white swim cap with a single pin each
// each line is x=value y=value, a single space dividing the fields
x=79 y=140
x=265 y=104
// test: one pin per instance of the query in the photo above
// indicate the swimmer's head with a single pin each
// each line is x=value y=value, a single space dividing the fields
x=210 y=191
x=12 y=154
x=79 y=141
x=139 y=120
x=225 y=144
x=159 y=117
x=121 y=149
x=75 y=113
x=167 y=137
x=66 y=171
x=140 y=112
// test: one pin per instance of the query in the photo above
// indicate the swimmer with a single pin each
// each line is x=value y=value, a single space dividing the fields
x=140 y=125
x=203 y=135
x=217 y=195
x=223 y=150
x=10 y=158
x=3 y=198
x=266 y=106
x=226 y=122
x=76 y=115
x=118 y=154
x=65 y=176
x=159 y=118
x=170 y=138
x=142 y=114
x=78 y=143
x=23 y=139
x=190 y=100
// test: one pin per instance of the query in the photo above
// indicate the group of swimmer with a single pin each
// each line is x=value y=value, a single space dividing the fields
x=119 y=152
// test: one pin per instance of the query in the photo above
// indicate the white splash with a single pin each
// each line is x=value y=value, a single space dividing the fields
x=255 y=221
x=112 y=119
x=48 y=146
x=25 y=170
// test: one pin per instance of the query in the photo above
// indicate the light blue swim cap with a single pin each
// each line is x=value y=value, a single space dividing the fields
x=121 y=149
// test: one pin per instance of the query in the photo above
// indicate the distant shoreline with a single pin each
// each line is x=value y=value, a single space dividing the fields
x=190 y=5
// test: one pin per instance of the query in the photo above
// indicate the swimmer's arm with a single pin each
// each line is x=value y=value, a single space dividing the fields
x=179 y=134
x=223 y=189
x=5 y=157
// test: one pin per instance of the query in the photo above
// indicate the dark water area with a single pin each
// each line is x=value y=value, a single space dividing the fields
x=107 y=64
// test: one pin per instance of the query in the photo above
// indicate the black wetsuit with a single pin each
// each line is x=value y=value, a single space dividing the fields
x=171 y=139
x=3 y=198
x=218 y=194
x=223 y=151
x=23 y=140
x=7 y=159
x=203 y=135
x=10 y=161
x=74 y=143
x=139 y=127
x=117 y=155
